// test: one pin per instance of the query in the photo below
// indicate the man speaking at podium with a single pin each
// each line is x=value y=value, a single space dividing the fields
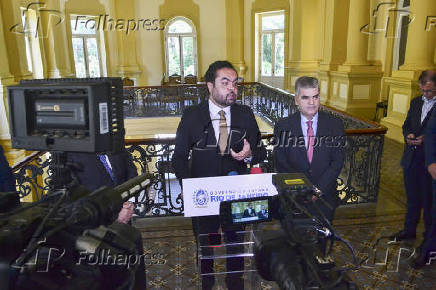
x=222 y=136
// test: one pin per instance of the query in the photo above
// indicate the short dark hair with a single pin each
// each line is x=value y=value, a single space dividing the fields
x=426 y=76
x=433 y=79
x=306 y=82
x=210 y=75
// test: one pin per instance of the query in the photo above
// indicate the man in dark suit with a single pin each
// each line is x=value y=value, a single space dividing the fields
x=7 y=179
x=7 y=185
x=311 y=142
x=249 y=212
x=263 y=213
x=417 y=180
x=94 y=171
x=221 y=136
x=427 y=251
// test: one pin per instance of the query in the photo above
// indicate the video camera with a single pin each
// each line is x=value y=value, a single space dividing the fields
x=59 y=116
x=296 y=256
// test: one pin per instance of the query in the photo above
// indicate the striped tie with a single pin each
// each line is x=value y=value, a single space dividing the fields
x=224 y=135
x=310 y=141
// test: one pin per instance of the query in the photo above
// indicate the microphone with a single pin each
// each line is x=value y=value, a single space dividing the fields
x=256 y=170
x=102 y=206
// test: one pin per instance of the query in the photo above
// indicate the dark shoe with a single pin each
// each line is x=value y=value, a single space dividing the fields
x=403 y=235
x=420 y=261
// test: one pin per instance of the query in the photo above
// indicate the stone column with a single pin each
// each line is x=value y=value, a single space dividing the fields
x=305 y=39
x=14 y=37
x=356 y=83
x=6 y=79
x=56 y=45
x=235 y=35
x=127 y=61
x=402 y=86
x=334 y=43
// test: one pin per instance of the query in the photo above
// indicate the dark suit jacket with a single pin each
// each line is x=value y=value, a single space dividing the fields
x=290 y=153
x=195 y=134
x=92 y=174
x=7 y=179
x=262 y=215
x=412 y=124
x=430 y=139
x=249 y=213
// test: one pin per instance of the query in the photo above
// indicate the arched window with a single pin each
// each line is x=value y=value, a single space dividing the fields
x=86 y=46
x=181 y=47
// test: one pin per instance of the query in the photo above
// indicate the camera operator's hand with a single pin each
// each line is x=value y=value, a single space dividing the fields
x=126 y=213
x=432 y=170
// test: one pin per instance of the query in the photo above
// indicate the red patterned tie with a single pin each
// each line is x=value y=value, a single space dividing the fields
x=310 y=141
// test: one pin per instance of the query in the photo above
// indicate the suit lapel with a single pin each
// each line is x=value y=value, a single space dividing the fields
x=319 y=132
x=296 y=127
x=237 y=129
x=418 y=113
x=425 y=121
x=207 y=123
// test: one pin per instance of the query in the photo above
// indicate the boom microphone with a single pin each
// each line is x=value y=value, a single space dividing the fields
x=102 y=206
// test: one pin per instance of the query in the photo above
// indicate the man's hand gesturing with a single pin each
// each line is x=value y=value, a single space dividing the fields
x=244 y=153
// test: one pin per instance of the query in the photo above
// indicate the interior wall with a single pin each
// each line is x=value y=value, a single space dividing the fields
x=248 y=42
x=376 y=30
x=209 y=16
x=148 y=44
x=213 y=32
x=88 y=8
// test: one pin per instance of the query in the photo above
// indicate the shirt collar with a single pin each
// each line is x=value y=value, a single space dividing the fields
x=214 y=109
x=314 y=119
x=427 y=100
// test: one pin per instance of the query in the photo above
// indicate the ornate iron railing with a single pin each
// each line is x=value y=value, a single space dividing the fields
x=358 y=182
x=154 y=101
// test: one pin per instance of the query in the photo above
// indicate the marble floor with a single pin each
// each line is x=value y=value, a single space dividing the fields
x=171 y=250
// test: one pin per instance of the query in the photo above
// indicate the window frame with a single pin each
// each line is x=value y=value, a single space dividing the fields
x=180 y=36
x=404 y=11
x=273 y=33
x=84 y=38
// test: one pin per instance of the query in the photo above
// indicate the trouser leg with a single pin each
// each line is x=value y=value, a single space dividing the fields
x=204 y=230
x=413 y=186
x=234 y=280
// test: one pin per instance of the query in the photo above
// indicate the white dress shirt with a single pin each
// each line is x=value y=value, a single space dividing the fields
x=304 y=126
x=215 y=117
x=426 y=107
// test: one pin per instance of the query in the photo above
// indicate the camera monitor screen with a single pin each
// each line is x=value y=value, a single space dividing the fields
x=75 y=115
x=250 y=211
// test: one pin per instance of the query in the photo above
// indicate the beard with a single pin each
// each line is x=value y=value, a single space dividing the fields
x=224 y=101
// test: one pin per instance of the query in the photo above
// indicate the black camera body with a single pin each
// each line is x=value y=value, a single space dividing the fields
x=74 y=115
x=295 y=257
x=41 y=243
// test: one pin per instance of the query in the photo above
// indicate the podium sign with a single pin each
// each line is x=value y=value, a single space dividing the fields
x=202 y=196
